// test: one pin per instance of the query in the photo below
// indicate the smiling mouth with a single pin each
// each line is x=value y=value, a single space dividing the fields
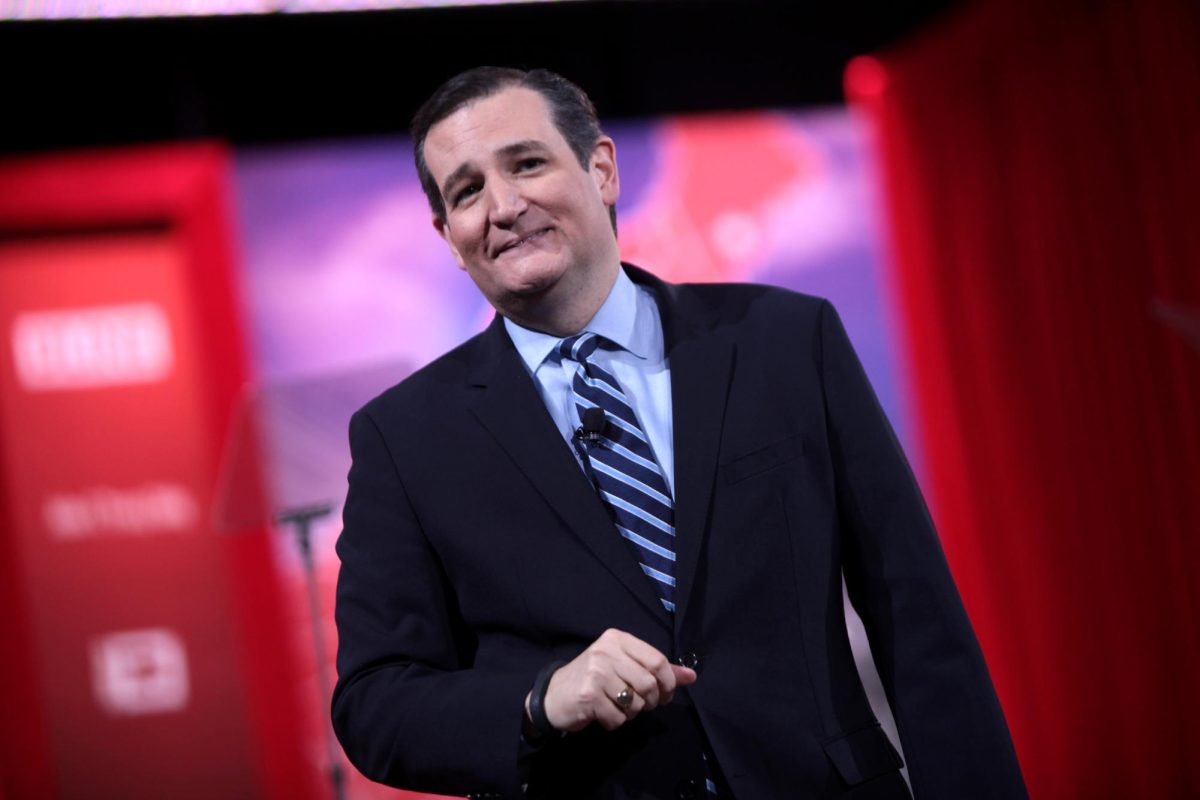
x=529 y=237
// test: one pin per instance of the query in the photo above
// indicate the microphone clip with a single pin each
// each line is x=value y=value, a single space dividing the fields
x=587 y=437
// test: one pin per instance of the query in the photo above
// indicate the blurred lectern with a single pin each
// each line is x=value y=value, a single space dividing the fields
x=285 y=463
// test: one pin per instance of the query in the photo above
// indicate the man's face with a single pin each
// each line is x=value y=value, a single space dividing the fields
x=523 y=218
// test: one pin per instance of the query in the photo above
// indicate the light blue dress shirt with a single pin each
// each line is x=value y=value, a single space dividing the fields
x=629 y=317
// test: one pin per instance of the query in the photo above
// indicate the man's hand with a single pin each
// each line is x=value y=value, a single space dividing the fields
x=589 y=688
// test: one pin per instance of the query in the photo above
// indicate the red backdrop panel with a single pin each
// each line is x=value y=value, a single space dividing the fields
x=151 y=643
x=105 y=449
x=1043 y=180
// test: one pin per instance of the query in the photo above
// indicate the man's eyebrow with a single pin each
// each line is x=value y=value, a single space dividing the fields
x=523 y=146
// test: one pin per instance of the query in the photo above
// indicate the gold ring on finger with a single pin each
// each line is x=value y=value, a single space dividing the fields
x=624 y=698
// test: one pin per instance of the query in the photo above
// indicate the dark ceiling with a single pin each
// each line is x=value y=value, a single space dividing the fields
x=290 y=77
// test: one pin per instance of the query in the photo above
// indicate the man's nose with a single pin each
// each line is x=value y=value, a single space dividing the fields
x=506 y=203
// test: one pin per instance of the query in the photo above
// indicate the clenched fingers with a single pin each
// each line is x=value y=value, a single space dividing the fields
x=588 y=688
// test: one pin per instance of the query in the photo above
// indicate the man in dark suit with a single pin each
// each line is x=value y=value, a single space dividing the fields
x=598 y=549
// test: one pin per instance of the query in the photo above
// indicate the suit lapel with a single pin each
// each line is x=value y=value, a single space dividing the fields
x=508 y=404
x=701 y=365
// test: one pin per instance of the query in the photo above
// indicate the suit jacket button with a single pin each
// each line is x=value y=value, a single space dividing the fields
x=688 y=789
x=690 y=660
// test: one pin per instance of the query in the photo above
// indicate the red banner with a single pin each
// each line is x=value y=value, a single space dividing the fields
x=148 y=640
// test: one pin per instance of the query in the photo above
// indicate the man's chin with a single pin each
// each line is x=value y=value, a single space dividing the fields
x=536 y=283
x=531 y=300
x=533 y=292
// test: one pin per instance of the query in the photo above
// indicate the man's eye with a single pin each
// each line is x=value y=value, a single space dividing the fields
x=530 y=163
x=464 y=193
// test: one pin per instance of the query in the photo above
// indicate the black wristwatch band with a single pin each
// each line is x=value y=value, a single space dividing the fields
x=537 y=700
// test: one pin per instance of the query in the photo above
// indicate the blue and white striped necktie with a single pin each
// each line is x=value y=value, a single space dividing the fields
x=627 y=475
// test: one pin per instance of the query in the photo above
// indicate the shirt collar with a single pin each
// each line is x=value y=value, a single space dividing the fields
x=621 y=319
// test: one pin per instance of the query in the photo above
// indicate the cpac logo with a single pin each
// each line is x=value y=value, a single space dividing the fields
x=88 y=348
x=140 y=672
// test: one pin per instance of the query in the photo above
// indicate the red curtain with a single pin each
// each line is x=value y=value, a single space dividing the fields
x=1043 y=163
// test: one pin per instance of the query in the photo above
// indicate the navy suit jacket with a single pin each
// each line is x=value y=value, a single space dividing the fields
x=475 y=552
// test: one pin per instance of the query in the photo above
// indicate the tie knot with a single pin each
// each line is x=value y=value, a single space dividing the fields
x=578 y=347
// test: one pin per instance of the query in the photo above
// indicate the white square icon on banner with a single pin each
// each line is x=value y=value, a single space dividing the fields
x=140 y=672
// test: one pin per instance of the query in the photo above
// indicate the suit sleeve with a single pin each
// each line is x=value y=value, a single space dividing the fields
x=952 y=729
x=408 y=708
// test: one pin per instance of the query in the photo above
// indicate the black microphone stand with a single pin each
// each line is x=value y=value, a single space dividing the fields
x=300 y=520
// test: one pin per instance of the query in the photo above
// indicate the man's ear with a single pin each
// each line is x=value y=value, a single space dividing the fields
x=604 y=170
x=443 y=228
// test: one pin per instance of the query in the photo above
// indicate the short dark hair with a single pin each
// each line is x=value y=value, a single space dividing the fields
x=571 y=109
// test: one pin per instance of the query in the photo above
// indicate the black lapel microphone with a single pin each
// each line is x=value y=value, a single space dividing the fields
x=593 y=427
x=589 y=433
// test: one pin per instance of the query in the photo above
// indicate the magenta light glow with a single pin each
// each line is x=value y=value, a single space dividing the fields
x=107 y=9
